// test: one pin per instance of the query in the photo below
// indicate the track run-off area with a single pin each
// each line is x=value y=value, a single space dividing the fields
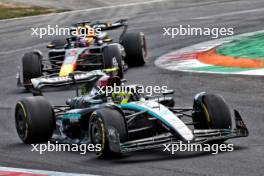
x=241 y=54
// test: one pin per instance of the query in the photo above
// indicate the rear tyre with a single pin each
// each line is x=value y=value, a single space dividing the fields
x=212 y=113
x=32 y=66
x=99 y=124
x=135 y=48
x=113 y=58
x=34 y=118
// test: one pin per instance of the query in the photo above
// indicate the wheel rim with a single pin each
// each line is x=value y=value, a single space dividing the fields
x=96 y=132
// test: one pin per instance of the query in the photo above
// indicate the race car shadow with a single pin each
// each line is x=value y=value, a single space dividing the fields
x=135 y=157
x=159 y=155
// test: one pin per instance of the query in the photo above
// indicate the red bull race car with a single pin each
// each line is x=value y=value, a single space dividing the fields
x=85 y=52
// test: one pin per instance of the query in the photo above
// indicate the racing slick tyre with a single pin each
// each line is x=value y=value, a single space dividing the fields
x=211 y=112
x=32 y=66
x=34 y=118
x=135 y=48
x=113 y=58
x=100 y=123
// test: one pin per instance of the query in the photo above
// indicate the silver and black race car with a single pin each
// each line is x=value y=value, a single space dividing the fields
x=126 y=121
x=94 y=50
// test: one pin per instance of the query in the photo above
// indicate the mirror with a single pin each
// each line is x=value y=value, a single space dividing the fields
x=50 y=46
x=168 y=92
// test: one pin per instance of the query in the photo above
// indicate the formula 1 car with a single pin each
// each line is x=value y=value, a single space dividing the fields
x=138 y=123
x=85 y=53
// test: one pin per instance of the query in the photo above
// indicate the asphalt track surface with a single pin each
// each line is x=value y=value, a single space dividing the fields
x=73 y=4
x=242 y=92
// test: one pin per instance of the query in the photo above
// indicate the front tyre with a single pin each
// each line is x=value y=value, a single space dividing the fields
x=34 y=119
x=211 y=112
x=99 y=124
x=32 y=66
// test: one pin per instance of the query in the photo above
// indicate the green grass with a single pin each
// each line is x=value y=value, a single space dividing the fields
x=245 y=47
x=13 y=12
x=222 y=69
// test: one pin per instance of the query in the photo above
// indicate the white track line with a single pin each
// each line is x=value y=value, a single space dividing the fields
x=229 y=14
x=49 y=173
x=22 y=49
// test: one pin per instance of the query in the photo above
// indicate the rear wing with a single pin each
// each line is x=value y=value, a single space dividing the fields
x=110 y=26
x=106 y=25
x=103 y=25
